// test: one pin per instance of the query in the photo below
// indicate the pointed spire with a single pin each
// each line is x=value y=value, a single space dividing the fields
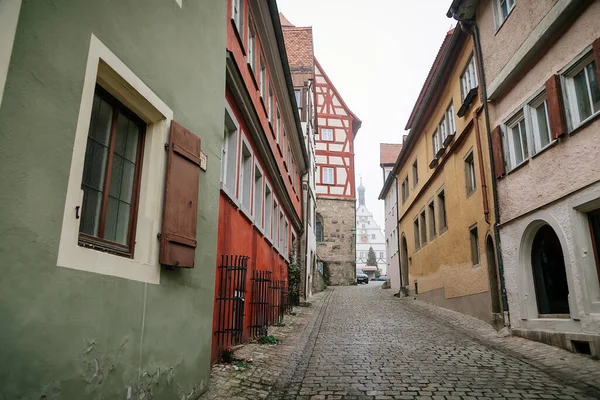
x=361 y=193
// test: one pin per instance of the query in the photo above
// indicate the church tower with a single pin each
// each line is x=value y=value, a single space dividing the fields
x=369 y=234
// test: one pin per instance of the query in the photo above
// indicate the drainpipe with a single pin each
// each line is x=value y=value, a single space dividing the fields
x=474 y=31
x=484 y=189
x=397 y=232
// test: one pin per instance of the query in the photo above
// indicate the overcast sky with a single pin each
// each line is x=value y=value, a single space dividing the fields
x=378 y=54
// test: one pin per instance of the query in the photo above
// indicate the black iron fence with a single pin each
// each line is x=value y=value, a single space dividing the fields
x=277 y=302
x=231 y=300
x=260 y=303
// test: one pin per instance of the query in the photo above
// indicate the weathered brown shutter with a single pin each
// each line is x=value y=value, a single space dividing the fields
x=178 y=233
x=596 y=47
x=556 y=114
x=498 y=152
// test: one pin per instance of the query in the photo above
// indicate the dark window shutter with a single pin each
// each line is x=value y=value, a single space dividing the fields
x=596 y=47
x=555 y=107
x=498 y=152
x=178 y=236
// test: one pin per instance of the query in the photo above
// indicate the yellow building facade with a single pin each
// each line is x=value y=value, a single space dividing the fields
x=444 y=179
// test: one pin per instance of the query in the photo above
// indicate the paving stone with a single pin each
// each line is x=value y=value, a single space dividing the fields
x=341 y=349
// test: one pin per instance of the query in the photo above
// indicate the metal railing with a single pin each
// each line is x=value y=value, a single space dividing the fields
x=231 y=300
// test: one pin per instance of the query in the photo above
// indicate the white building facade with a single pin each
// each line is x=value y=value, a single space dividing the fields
x=388 y=153
x=369 y=234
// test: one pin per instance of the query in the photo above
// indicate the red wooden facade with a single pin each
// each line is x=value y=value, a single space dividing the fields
x=266 y=137
x=337 y=126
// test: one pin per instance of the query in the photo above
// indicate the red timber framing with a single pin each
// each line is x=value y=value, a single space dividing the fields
x=263 y=159
x=337 y=127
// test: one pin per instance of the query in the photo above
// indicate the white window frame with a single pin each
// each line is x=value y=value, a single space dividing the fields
x=281 y=242
x=258 y=219
x=251 y=45
x=435 y=143
x=509 y=144
x=105 y=68
x=235 y=136
x=327 y=181
x=443 y=130
x=271 y=103
x=268 y=208
x=247 y=209
x=277 y=124
x=498 y=17
x=237 y=15
x=469 y=79
x=451 y=121
x=470 y=173
x=531 y=115
x=275 y=223
x=327 y=134
x=572 y=110
x=263 y=77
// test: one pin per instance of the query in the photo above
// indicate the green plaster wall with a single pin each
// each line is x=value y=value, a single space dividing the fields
x=68 y=334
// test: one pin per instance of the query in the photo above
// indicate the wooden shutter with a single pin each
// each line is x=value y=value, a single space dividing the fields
x=556 y=114
x=498 y=152
x=596 y=47
x=178 y=236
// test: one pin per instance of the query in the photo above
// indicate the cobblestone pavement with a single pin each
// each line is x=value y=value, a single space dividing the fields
x=361 y=343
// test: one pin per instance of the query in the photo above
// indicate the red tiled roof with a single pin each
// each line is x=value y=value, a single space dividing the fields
x=388 y=153
x=298 y=44
x=285 y=22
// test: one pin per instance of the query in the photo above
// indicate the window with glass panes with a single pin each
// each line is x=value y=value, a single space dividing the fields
x=470 y=180
x=517 y=141
x=442 y=128
x=251 y=46
x=111 y=176
x=540 y=123
x=450 y=119
x=263 y=78
x=237 y=15
x=328 y=178
x=583 y=91
x=435 y=141
x=504 y=7
x=468 y=79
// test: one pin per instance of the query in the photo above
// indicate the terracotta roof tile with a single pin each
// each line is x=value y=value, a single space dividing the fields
x=298 y=45
x=388 y=153
x=285 y=23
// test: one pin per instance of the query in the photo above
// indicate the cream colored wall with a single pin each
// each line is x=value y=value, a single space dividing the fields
x=500 y=45
x=445 y=261
x=574 y=152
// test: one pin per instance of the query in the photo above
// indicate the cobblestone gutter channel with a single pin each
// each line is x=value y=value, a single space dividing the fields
x=271 y=365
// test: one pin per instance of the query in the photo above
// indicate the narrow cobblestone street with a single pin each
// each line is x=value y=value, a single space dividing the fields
x=359 y=342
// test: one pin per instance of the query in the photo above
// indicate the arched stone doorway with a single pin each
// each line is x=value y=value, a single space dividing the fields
x=404 y=260
x=549 y=273
x=492 y=275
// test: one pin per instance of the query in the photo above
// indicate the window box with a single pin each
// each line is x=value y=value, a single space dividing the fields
x=440 y=152
x=467 y=102
x=448 y=140
x=434 y=163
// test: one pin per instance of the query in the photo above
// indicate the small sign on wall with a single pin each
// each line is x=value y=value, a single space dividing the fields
x=203 y=160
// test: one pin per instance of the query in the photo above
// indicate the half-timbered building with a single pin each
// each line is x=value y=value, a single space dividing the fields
x=263 y=159
x=301 y=59
x=336 y=199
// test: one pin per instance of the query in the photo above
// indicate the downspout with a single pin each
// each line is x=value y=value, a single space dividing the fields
x=398 y=232
x=478 y=53
x=484 y=189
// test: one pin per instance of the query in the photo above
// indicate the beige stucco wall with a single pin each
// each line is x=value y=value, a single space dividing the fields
x=500 y=45
x=444 y=263
x=573 y=153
